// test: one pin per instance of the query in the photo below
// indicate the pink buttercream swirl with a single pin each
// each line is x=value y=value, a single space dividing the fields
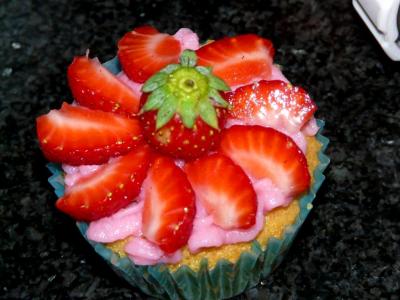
x=134 y=86
x=187 y=38
x=124 y=223
x=144 y=252
x=127 y=223
x=74 y=173
x=206 y=234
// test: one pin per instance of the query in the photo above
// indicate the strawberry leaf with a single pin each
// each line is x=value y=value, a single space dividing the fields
x=154 y=82
x=170 y=68
x=188 y=113
x=204 y=70
x=188 y=58
x=215 y=95
x=155 y=100
x=217 y=83
x=166 y=111
x=208 y=113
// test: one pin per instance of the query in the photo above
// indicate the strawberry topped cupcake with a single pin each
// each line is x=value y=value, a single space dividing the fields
x=189 y=168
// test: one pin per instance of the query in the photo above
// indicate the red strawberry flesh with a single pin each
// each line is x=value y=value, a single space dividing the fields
x=111 y=187
x=267 y=153
x=144 y=51
x=224 y=190
x=79 y=136
x=238 y=60
x=169 y=205
x=93 y=86
x=272 y=103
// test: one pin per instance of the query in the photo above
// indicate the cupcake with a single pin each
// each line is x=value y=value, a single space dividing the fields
x=188 y=168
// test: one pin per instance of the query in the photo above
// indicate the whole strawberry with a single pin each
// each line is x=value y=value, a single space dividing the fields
x=182 y=114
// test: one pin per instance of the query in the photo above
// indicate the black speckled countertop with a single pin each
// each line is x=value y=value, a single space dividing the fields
x=349 y=247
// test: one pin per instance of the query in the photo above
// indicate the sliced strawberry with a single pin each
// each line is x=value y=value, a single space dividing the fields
x=111 y=187
x=271 y=103
x=144 y=51
x=169 y=205
x=93 y=86
x=80 y=136
x=266 y=153
x=238 y=60
x=224 y=190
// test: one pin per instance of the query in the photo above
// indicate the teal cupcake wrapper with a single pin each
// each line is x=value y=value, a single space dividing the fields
x=225 y=279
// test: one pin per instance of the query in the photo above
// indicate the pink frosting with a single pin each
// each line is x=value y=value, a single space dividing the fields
x=127 y=222
x=134 y=86
x=298 y=138
x=206 y=234
x=269 y=194
x=124 y=223
x=310 y=128
x=74 y=173
x=277 y=74
x=187 y=38
x=144 y=252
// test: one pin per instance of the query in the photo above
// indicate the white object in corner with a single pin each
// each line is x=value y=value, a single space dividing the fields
x=381 y=18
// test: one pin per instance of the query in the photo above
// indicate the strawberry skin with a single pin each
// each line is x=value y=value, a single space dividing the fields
x=144 y=51
x=77 y=135
x=169 y=205
x=93 y=86
x=113 y=186
x=272 y=101
x=225 y=191
x=238 y=60
x=267 y=153
x=179 y=141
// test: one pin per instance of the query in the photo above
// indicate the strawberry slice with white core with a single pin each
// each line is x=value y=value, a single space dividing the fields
x=238 y=60
x=272 y=103
x=111 y=187
x=267 y=153
x=144 y=51
x=93 y=86
x=169 y=205
x=144 y=252
x=76 y=135
x=224 y=190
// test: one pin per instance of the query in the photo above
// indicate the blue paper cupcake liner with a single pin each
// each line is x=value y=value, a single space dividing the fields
x=225 y=279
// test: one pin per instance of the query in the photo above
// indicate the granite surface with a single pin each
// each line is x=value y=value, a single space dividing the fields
x=349 y=248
